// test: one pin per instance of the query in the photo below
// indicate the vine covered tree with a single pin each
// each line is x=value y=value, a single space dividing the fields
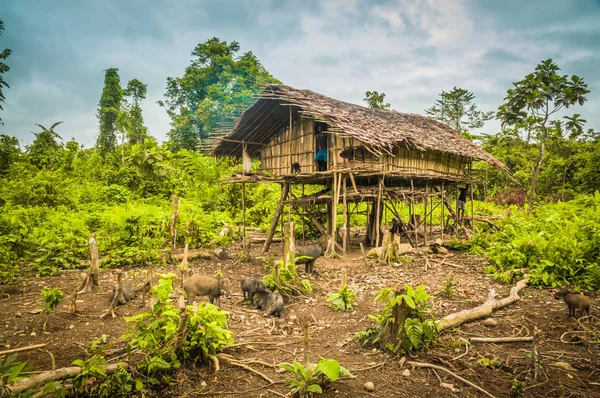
x=217 y=86
x=3 y=69
x=376 y=100
x=457 y=109
x=534 y=100
x=108 y=111
x=135 y=92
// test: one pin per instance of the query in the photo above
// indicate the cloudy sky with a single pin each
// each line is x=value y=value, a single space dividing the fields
x=409 y=49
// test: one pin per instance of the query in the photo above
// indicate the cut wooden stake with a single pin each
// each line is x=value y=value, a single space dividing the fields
x=91 y=280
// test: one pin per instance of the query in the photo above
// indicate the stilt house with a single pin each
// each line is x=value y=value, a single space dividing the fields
x=302 y=137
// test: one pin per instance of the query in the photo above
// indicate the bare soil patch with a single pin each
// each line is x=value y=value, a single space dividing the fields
x=272 y=340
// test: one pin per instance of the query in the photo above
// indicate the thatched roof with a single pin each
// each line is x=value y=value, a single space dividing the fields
x=379 y=129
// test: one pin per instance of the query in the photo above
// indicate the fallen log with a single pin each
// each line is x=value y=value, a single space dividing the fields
x=42 y=379
x=484 y=310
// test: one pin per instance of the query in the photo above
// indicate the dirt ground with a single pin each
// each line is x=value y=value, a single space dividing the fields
x=331 y=333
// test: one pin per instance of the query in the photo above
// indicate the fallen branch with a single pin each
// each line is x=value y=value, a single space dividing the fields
x=241 y=365
x=431 y=366
x=484 y=310
x=42 y=379
x=501 y=339
x=444 y=262
x=368 y=367
x=21 y=349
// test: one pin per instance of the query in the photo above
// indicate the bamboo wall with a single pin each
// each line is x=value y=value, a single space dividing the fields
x=275 y=157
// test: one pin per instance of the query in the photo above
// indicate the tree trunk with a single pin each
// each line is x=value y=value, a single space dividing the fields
x=536 y=172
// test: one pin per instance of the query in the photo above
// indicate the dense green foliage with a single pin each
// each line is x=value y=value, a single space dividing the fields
x=48 y=213
x=558 y=242
x=216 y=87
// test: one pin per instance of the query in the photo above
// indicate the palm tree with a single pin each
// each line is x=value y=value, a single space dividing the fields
x=43 y=148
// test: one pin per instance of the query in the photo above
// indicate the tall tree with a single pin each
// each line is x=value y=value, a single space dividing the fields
x=457 y=109
x=218 y=85
x=3 y=69
x=43 y=151
x=136 y=92
x=9 y=152
x=108 y=111
x=376 y=100
x=538 y=96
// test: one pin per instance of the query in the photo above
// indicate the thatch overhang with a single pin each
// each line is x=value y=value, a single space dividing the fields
x=379 y=130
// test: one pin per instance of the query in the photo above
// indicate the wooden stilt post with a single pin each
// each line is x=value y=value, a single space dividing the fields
x=302 y=219
x=413 y=217
x=378 y=211
x=430 y=211
x=284 y=192
x=442 y=213
x=290 y=144
x=244 y=241
x=472 y=208
x=425 y=217
x=345 y=219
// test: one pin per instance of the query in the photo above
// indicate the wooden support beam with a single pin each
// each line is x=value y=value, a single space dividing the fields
x=353 y=182
x=321 y=228
x=284 y=193
x=244 y=241
x=346 y=222
x=442 y=213
x=412 y=212
x=378 y=211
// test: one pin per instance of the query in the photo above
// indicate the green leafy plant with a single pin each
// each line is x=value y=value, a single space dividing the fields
x=11 y=370
x=156 y=333
x=449 y=286
x=489 y=362
x=306 y=285
x=51 y=297
x=517 y=389
x=311 y=379
x=344 y=299
x=419 y=329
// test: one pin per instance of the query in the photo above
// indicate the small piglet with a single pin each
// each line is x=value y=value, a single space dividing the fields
x=574 y=301
x=128 y=294
x=204 y=285
x=252 y=286
x=271 y=304
x=312 y=252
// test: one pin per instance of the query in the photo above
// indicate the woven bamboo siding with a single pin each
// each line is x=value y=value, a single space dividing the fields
x=275 y=157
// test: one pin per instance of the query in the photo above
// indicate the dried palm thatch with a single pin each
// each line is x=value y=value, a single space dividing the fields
x=379 y=130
